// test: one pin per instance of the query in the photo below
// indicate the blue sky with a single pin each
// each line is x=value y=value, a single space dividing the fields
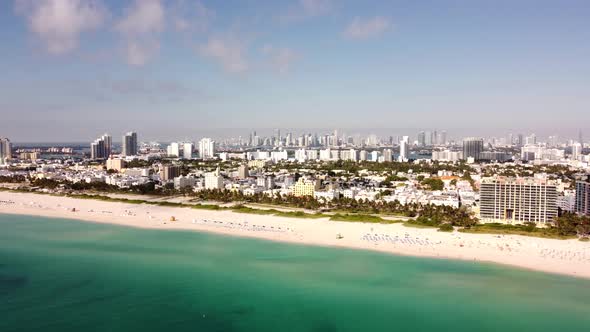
x=72 y=69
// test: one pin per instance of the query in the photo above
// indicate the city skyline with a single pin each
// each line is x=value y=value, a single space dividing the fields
x=296 y=63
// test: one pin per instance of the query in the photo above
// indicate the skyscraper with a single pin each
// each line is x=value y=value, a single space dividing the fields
x=207 y=148
x=472 y=147
x=583 y=197
x=428 y=138
x=403 y=149
x=442 y=140
x=173 y=150
x=422 y=138
x=576 y=151
x=101 y=148
x=520 y=140
x=187 y=150
x=5 y=150
x=130 y=144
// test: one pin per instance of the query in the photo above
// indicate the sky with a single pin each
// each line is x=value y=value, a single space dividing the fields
x=175 y=69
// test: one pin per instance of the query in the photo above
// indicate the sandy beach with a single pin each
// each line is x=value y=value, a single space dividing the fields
x=570 y=257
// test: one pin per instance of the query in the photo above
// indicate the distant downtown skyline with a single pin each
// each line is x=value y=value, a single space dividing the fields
x=456 y=134
x=179 y=68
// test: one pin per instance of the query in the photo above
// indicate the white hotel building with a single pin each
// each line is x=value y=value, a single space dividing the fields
x=518 y=200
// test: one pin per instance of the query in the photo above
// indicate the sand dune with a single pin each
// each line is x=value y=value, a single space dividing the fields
x=570 y=257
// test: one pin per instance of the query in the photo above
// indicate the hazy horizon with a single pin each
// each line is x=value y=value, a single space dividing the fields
x=178 y=69
x=227 y=133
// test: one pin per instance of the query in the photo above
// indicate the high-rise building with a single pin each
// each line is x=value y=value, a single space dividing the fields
x=169 y=172
x=173 y=150
x=207 y=148
x=428 y=138
x=108 y=145
x=387 y=155
x=130 y=144
x=442 y=140
x=518 y=200
x=472 y=148
x=576 y=151
x=213 y=180
x=187 y=150
x=5 y=150
x=243 y=171
x=530 y=140
x=421 y=138
x=101 y=148
x=582 y=205
x=520 y=140
x=403 y=149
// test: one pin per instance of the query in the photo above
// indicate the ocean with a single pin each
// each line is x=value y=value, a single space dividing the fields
x=65 y=275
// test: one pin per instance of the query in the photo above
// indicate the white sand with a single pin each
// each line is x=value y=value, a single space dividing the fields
x=570 y=257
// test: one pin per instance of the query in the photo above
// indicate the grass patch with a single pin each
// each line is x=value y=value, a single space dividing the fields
x=525 y=230
x=446 y=228
x=300 y=214
x=417 y=225
x=361 y=218
x=584 y=239
x=275 y=212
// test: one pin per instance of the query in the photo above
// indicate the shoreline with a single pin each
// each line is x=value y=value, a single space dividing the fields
x=565 y=257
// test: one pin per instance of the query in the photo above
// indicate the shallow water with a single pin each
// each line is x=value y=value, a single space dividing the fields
x=65 y=275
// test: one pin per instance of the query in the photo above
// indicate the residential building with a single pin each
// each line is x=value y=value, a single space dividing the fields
x=169 y=172
x=101 y=148
x=403 y=149
x=583 y=197
x=243 y=171
x=576 y=151
x=213 y=180
x=130 y=144
x=472 y=148
x=207 y=148
x=182 y=182
x=173 y=150
x=5 y=151
x=28 y=156
x=387 y=155
x=518 y=200
x=305 y=187
x=115 y=164
x=187 y=150
x=447 y=155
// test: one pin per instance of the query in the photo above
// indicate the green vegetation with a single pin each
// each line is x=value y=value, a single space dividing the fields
x=12 y=179
x=570 y=224
x=519 y=229
x=362 y=218
x=584 y=239
x=446 y=228
x=433 y=183
x=415 y=225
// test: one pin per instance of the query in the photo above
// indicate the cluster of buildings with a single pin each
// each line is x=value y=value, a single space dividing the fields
x=102 y=147
x=535 y=199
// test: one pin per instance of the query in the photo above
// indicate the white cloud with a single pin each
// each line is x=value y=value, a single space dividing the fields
x=228 y=52
x=192 y=17
x=316 y=7
x=362 y=29
x=280 y=58
x=141 y=26
x=59 y=23
x=305 y=9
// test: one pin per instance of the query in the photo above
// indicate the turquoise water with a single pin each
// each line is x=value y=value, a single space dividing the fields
x=64 y=275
